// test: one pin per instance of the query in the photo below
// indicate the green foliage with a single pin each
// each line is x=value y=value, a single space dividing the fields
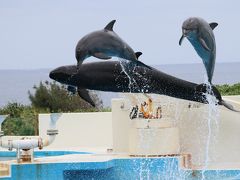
x=229 y=89
x=48 y=97
x=52 y=97
x=22 y=120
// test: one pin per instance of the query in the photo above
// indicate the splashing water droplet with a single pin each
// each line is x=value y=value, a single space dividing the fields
x=212 y=114
x=124 y=64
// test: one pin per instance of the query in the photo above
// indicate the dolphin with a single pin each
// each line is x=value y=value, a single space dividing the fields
x=200 y=34
x=108 y=76
x=83 y=93
x=104 y=44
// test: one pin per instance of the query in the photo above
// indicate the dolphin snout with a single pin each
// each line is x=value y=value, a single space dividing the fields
x=185 y=33
x=62 y=74
x=52 y=74
x=55 y=74
x=181 y=39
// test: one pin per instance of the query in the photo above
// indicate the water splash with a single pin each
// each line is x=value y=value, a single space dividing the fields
x=2 y=118
x=146 y=165
x=129 y=68
x=126 y=66
x=212 y=114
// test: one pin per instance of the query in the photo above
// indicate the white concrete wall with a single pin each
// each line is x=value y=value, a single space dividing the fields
x=193 y=125
x=224 y=145
x=86 y=130
x=140 y=136
x=107 y=130
x=120 y=126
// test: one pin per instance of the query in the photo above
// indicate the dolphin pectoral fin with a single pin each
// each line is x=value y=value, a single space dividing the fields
x=180 y=40
x=137 y=54
x=84 y=94
x=204 y=45
x=101 y=56
x=110 y=25
x=213 y=25
x=229 y=106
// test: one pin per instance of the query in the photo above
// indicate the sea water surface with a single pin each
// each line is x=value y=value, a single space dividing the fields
x=15 y=84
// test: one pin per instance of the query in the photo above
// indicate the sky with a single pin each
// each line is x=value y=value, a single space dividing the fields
x=43 y=34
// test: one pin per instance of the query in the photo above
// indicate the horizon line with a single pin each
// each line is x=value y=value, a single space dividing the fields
x=164 y=64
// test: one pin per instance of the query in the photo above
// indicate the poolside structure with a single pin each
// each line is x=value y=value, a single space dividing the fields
x=111 y=145
x=25 y=145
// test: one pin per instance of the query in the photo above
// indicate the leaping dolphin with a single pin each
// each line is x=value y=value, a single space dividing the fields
x=105 y=44
x=201 y=36
x=108 y=76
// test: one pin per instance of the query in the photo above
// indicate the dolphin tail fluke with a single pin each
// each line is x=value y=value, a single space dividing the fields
x=203 y=88
x=229 y=106
x=84 y=94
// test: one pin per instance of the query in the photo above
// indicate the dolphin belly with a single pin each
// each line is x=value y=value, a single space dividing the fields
x=206 y=56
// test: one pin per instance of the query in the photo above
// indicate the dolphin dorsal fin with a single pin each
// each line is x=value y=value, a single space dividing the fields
x=137 y=54
x=213 y=25
x=109 y=26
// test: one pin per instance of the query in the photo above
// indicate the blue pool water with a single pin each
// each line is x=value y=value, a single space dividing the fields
x=9 y=155
x=118 y=169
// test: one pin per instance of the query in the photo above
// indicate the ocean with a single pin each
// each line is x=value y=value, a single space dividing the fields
x=15 y=84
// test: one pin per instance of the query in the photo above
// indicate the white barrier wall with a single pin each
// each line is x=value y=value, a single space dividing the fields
x=193 y=125
x=120 y=126
x=139 y=137
x=224 y=143
x=84 y=130
x=216 y=140
x=113 y=130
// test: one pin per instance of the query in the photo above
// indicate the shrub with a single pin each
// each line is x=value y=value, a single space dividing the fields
x=53 y=97
x=229 y=89
x=22 y=120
